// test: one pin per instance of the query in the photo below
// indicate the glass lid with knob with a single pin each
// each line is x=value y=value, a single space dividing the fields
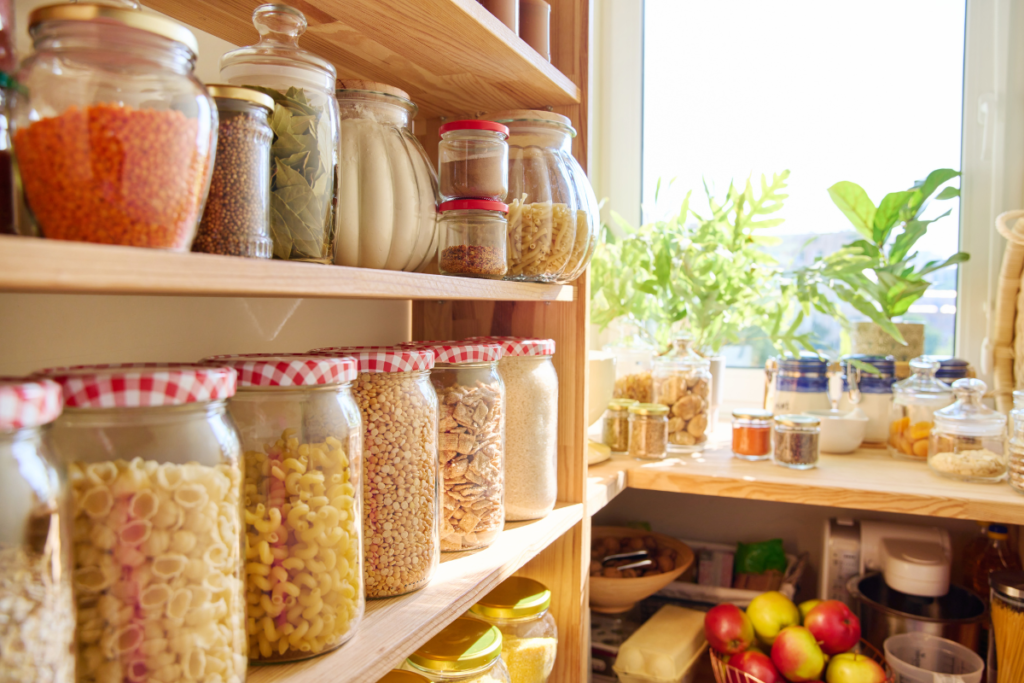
x=969 y=416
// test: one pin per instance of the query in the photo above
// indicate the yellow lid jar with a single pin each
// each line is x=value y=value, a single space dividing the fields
x=467 y=651
x=519 y=608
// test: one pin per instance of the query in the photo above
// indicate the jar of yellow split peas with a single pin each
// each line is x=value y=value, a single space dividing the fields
x=303 y=441
x=914 y=403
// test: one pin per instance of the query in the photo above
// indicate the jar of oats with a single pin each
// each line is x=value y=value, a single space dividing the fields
x=682 y=381
x=401 y=498
x=466 y=651
x=37 y=623
x=302 y=437
x=968 y=439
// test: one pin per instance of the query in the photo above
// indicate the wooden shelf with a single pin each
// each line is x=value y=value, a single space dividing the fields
x=451 y=56
x=393 y=628
x=38 y=265
x=607 y=480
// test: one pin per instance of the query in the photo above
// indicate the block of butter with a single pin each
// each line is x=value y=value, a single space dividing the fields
x=664 y=649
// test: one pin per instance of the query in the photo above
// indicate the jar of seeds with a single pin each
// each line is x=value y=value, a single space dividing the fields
x=615 y=427
x=796 y=441
x=648 y=431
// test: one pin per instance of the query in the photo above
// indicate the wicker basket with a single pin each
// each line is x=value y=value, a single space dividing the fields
x=727 y=674
x=1008 y=330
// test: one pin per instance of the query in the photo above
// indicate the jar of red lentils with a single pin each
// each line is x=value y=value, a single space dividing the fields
x=113 y=153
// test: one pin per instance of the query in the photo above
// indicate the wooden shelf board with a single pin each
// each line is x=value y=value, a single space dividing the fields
x=393 y=628
x=451 y=56
x=38 y=265
x=606 y=480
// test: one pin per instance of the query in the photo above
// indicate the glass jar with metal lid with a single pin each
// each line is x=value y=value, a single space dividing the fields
x=914 y=403
x=871 y=391
x=648 y=431
x=682 y=381
x=109 y=153
x=796 y=441
x=399 y=676
x=466 y=651
x=473 y=160
x=529 y=636
x=967 y=442
x=236 y=220
x=1007 y=614
x=303 y=157
x=752 y=434
x=615 y=427
x=473 y=238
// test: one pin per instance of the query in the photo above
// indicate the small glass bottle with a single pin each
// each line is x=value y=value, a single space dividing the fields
x=466 y=651
x=473 y=160
x=752 y=434
x=996 y=556
x=967 y=440
x=1016 y=442
x=682 y=381
x=529 y=637
x=473 y=238
x=914 y=403
x=615 y=428
x=648 y=431
x=796 y=441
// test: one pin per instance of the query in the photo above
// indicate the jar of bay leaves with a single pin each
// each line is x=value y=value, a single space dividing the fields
x=303 y=156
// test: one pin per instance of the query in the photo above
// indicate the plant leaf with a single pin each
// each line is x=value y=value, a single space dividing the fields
x=948 y=193
x=888 y=214
x=855 y=204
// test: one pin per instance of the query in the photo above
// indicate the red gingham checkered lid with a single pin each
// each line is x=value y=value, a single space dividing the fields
x=28 y=402
x=455 y=352
x=382 y=358
x=141 y=385
x=521 y=346
x=287 y=369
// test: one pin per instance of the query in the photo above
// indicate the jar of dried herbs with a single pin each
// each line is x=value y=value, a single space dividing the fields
x=796 y=441
x=615 y=429
x=648 y=431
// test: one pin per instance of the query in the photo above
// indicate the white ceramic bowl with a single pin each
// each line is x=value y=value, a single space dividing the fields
x=841 y=432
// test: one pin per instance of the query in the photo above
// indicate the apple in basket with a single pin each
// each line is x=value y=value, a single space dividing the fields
x=835 y=627
x=850 y=667
x=770 y=613
x=797 y=656
x=757 y=665
x=728 y=630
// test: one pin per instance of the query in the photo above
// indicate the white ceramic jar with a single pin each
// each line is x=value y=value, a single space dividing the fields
x=872 y=393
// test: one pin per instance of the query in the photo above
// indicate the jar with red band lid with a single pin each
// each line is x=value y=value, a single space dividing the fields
x=37 y=622
x=473 y=238
x=401 y=498
x=302 y=438
x=473 y=160
x=154 y=463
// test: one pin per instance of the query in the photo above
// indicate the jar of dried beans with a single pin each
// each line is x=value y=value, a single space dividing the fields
x=114 y=155
x=37 y=619
x=401 y=497
x=303 y=443
x=473 y=160
x=682 y=381
x=466 y=651
x=154 y=463
x=968 y=440
x=529 y=636
x=236 y=221
x=472 y=238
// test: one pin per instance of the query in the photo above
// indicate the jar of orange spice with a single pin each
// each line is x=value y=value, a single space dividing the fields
x=752 y=434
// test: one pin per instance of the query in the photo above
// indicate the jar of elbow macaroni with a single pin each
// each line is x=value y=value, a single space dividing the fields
x=154 y=465
x=303 y=443
x=466 y=651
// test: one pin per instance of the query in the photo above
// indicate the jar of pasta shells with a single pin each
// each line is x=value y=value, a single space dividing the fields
x=682 y=381
x=154 y=463
x=466 y=651
x=302 y=439
x=37 y=622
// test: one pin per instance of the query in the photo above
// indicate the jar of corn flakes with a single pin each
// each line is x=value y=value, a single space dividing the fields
x=529 y=637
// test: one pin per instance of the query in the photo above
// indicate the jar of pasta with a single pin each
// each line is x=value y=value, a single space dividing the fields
x=529 y=636
x=473 y=160
x=466 y=651
x=682 y=381
x=968 y=439
x=154 y=463
x=401 y=498
x=37 y=618
x=914 y=403
x=302 y=439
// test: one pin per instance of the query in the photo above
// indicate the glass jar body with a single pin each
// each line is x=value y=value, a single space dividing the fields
x=686 y=390
x=978 y=457
x=648 y=436
x=473 y=163
x=528 y=645
x=495 y=672
x=633 y=364
x=752 y=438
x=473 y=243
x=1015 y=454
x=157 y=530
x=796 y=447
x=312 y=437
x=615 y=430
x=910 y=424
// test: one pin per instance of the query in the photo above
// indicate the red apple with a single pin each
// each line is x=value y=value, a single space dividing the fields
x=853 y=668
x=770 y=613
x=797 y=656
x=836 y=628
x=728 y=629
x=757 y=665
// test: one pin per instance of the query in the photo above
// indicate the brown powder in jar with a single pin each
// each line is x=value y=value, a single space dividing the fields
x=469 y=259
x=480 y=177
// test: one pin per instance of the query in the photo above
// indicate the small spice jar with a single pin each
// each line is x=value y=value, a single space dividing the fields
x=968 y=438
x=473 y=160
x=615 y=428
x=752 y=434
x=473 y=237
x=648 y=431
x=466 y=651
x=914 y=403
x=1015 y=459
x=236 y=220
x=529 y=637
x=796 y=441
x=682 y=381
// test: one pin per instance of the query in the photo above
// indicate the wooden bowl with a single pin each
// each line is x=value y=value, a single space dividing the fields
x=727 y=674
x=612 y=596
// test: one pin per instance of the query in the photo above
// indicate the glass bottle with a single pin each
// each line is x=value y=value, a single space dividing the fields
x=995 y=557
x=1016 y=442
x=466 y=651
x=914 y=403
x=968 y=438
x=529 y=637
x=682 y=381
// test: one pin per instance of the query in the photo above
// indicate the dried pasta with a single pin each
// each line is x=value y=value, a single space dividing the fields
x=1008 y=626
x=540 y=239
x=580 y=246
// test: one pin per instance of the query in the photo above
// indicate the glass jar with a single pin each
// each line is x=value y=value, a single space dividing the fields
x=154 y=463
x=108 y=153
x=967 y=440
x=796 y=441
x=870 y=392
x=473 y=160
x=10 y=91
x=401 y=521
x=399 y=676
x=797 y=385
x=303 y=157
x=648 y=431
x=552 y=216
x=752 y=434
x=682 y=381
x=529 y=637
x=1015 y=455
x=951 y=369
x=303 y=443
x=473 y=238
x=37 y=618
x=236 y=220
x=633 y=362
x=615 y=429
x=1007 y=614
x=386 y=214
x=914 y=403
x=466 y=651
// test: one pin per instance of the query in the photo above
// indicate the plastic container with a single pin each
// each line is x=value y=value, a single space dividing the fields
x=615 y=425
x=648 y=431
x=968 y=438
x=664 y=649
x=797 y=384
x=114 y=155
x=473 y=238
x=297 y=419
x=1007 y=596
x=682 y=381
x=305 y=124
x=1015 y=444
x=529 y=637
x=37 y=619
x=473 y=160
x=154 y=463
x=918 y=657
x=872 y=393
x=752 y=434
x=466 y=651
x=386 y=213
x=914 y=403
x=797 y=440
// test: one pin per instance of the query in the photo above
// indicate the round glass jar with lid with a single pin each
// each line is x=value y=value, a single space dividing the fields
x=1015 y=456
x=466 y=651
x=682 y=381
x=302 y=440
x=796 y=385
x=615 y=424
x=401 y=496
x=303 y=157
x=871 y=392
x=108 y=153
x=154 y=463
x=37 y=618
x=648 y=431
x=968 y=438
x=796 y=443
x=472 y=235
x=386 y=214
x=914 y=403
x=473 y=160
x=752 y=434
x=529 y=637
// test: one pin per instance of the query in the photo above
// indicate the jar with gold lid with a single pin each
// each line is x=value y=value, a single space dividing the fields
x=615 y=427
x=466 y=651
x=519 y=608
x=648 y=431
x=399 y=676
